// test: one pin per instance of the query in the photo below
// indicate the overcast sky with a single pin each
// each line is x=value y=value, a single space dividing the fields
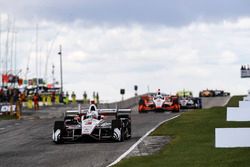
x=113 y=44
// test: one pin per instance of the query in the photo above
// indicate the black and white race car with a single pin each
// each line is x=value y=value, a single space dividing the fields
x=96 y=123
x=190 y=102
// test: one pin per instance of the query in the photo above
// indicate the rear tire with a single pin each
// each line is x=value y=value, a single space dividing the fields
x=141 y=106
x=122 y=134
x=176 y=110
x=141 y=102
x=142 y=111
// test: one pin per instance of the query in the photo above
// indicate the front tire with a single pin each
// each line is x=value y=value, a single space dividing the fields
x=121 y=130
x=59 y=129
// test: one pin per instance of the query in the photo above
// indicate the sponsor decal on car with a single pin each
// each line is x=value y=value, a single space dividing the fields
x=88 y=126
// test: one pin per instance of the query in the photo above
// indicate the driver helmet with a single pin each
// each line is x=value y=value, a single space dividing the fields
x=92 y=113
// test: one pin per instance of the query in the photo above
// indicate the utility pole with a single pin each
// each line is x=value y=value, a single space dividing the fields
x=53 y=75
x=12 y=47
x=1 y=63
x=1 y=42
x=37 y=57
x=148 y=89
x=61 y=70
x=7 y=46
x=15 y=53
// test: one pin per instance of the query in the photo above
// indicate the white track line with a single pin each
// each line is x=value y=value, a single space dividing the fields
x=139 y=141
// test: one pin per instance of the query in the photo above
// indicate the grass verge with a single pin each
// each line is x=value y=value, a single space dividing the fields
x=234 y=101
x=193 y=142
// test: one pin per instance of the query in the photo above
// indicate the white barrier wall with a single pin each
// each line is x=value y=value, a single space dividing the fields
x=232 y=137
x=246 y=98
x=241 y=113
x=238 y=114
x=236 y=109
x=244 y=104
x=235 y=137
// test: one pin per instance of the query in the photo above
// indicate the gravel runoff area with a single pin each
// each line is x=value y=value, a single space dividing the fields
x=150 y=145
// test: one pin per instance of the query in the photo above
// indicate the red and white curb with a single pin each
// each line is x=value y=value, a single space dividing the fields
x=139 y=141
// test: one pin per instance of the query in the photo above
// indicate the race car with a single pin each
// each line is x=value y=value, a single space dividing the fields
x=213 y=93
x=187 y=101
x=158 y=102
x=190 y=102
x=206 y=93
x=99 y=124
x=221 y=93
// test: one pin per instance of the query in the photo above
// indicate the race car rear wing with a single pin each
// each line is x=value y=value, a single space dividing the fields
x=106 y=111
x=71 y=113
x=117 y=112
x=110 y=112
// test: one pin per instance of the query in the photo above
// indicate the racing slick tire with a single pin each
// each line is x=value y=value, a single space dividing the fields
x=127 y=129
x=122 y=138
x=141 y=102
x=59 y=125
x=118 y=130
x=177 y=110
x=142 y=111
x=177 y=106
x=141 y=106
x=126 y=125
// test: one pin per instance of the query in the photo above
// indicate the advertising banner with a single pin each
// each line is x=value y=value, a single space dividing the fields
x=6 y=107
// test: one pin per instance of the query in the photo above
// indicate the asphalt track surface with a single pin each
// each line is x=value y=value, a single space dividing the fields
x=28 y=143
x=208 y=102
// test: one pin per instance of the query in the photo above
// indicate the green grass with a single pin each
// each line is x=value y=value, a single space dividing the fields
x=7 y=117
x=193 y=140
x=234 y=101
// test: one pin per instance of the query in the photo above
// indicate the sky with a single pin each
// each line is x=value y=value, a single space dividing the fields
x=113 y=44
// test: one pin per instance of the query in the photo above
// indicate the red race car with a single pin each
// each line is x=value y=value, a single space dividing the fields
x=158 y=102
